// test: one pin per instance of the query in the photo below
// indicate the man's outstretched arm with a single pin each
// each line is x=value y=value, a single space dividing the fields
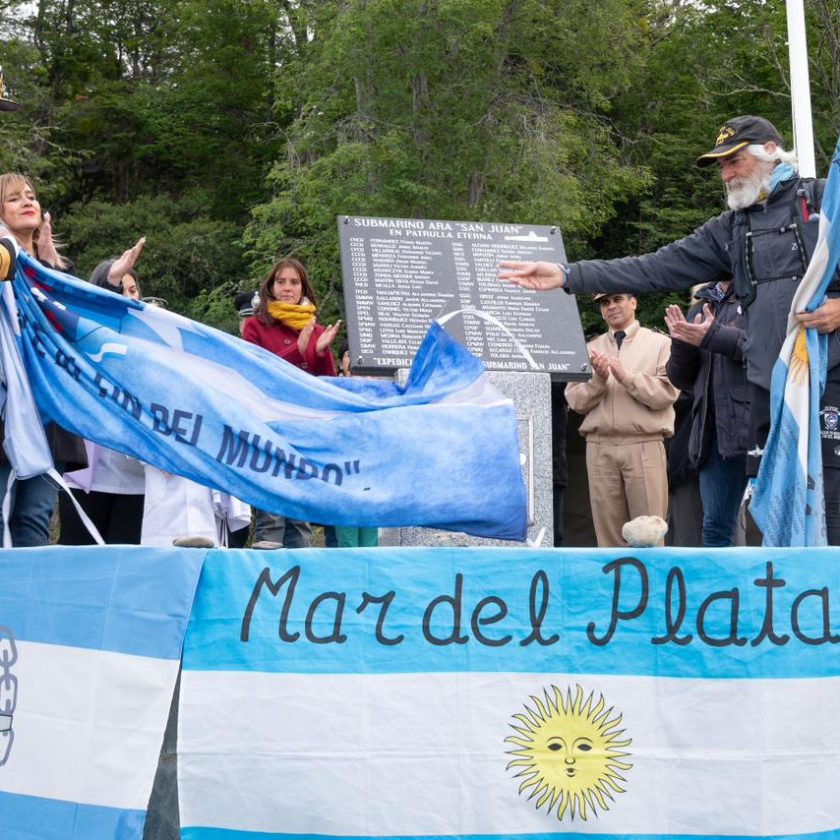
x=541 y=276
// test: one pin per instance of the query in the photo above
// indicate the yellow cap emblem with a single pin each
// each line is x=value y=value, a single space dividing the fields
x=725 y=133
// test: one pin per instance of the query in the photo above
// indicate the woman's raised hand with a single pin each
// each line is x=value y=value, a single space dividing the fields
x=324 y=340
x=305 y=335
x=47 y=251
x=125 y=262
x=327 y=337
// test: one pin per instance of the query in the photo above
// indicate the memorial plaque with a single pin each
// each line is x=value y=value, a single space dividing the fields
x=402 y=274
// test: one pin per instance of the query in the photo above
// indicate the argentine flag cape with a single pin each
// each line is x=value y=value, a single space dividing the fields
x=788 y=504
x=442 y=451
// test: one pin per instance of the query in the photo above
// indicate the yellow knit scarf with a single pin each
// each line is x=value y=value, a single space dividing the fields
x=293 y=315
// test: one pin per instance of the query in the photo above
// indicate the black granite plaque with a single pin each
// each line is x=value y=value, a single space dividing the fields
x=401 y=274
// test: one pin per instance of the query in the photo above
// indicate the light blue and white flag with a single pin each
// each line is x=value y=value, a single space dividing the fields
x=31 y=455
x=441 y=451
x=788 y=504
x=496 y=693
x=90 y=641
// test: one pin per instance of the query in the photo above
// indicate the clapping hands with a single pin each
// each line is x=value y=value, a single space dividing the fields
x=603 y=365
x=324 y=340
x=691 y=332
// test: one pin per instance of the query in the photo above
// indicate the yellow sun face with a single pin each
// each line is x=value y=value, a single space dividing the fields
x=798 y=367
x=568 y=753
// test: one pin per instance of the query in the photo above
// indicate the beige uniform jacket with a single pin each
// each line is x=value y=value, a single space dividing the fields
x=639 y=408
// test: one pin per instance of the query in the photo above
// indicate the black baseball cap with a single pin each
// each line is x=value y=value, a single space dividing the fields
x=245 y=303
x=738 y=133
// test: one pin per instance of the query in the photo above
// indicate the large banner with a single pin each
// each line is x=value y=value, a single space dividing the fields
x=440 y=451
x=90 y=641
x=484 y=693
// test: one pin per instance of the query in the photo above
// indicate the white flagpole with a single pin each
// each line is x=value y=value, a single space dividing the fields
x=800 y=89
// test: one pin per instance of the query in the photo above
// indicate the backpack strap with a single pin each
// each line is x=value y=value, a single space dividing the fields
x=742 y=279
x=809 y=198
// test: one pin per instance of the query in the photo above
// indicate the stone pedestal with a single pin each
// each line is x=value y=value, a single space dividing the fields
x=531 y=394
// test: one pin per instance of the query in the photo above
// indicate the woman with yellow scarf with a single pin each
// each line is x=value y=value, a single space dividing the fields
x=284 y=324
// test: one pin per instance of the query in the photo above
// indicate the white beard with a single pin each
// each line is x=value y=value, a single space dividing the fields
x=744 y=192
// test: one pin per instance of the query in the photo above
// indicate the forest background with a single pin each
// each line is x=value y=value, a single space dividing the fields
x=229 y=132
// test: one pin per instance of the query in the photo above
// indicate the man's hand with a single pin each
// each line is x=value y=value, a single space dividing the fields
x=673 y=316
x=600 y=364
x=617 y=369
x=532 y=275
x=824 y=319
x=691 y=332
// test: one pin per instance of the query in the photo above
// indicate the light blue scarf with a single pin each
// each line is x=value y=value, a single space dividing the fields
x=783 y=172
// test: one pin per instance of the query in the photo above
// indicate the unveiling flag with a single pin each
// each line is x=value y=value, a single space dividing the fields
x=788 y=504
x=493 y=693
x=441 y=451
x=90 y=642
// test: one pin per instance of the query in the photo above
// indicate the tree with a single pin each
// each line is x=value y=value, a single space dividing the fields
x=283 y=115
x=434 y=109
x=140 y=115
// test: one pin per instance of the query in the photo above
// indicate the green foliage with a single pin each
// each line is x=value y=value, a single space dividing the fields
x=208 y=125
x=186 y=253
x=230 y=132
x=215 y=307
x=28 y=142
x=707 y=62
x=433 y=109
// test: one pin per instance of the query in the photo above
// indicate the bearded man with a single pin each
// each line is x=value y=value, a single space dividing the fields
x=764 y=241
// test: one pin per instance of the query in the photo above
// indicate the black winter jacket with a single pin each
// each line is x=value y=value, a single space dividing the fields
x=716 y=372
x=764 y=248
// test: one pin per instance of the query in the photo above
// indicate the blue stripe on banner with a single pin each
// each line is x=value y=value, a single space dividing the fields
x=33 y=818
x=224 y=834
x=677 y=613
x=101 y=599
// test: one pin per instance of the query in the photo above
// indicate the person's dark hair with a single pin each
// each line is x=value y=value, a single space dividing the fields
x=265 y=295
x=99 y=277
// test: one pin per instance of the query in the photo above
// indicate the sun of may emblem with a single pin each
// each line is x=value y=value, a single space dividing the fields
x=798 y=365
x=569 y=753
